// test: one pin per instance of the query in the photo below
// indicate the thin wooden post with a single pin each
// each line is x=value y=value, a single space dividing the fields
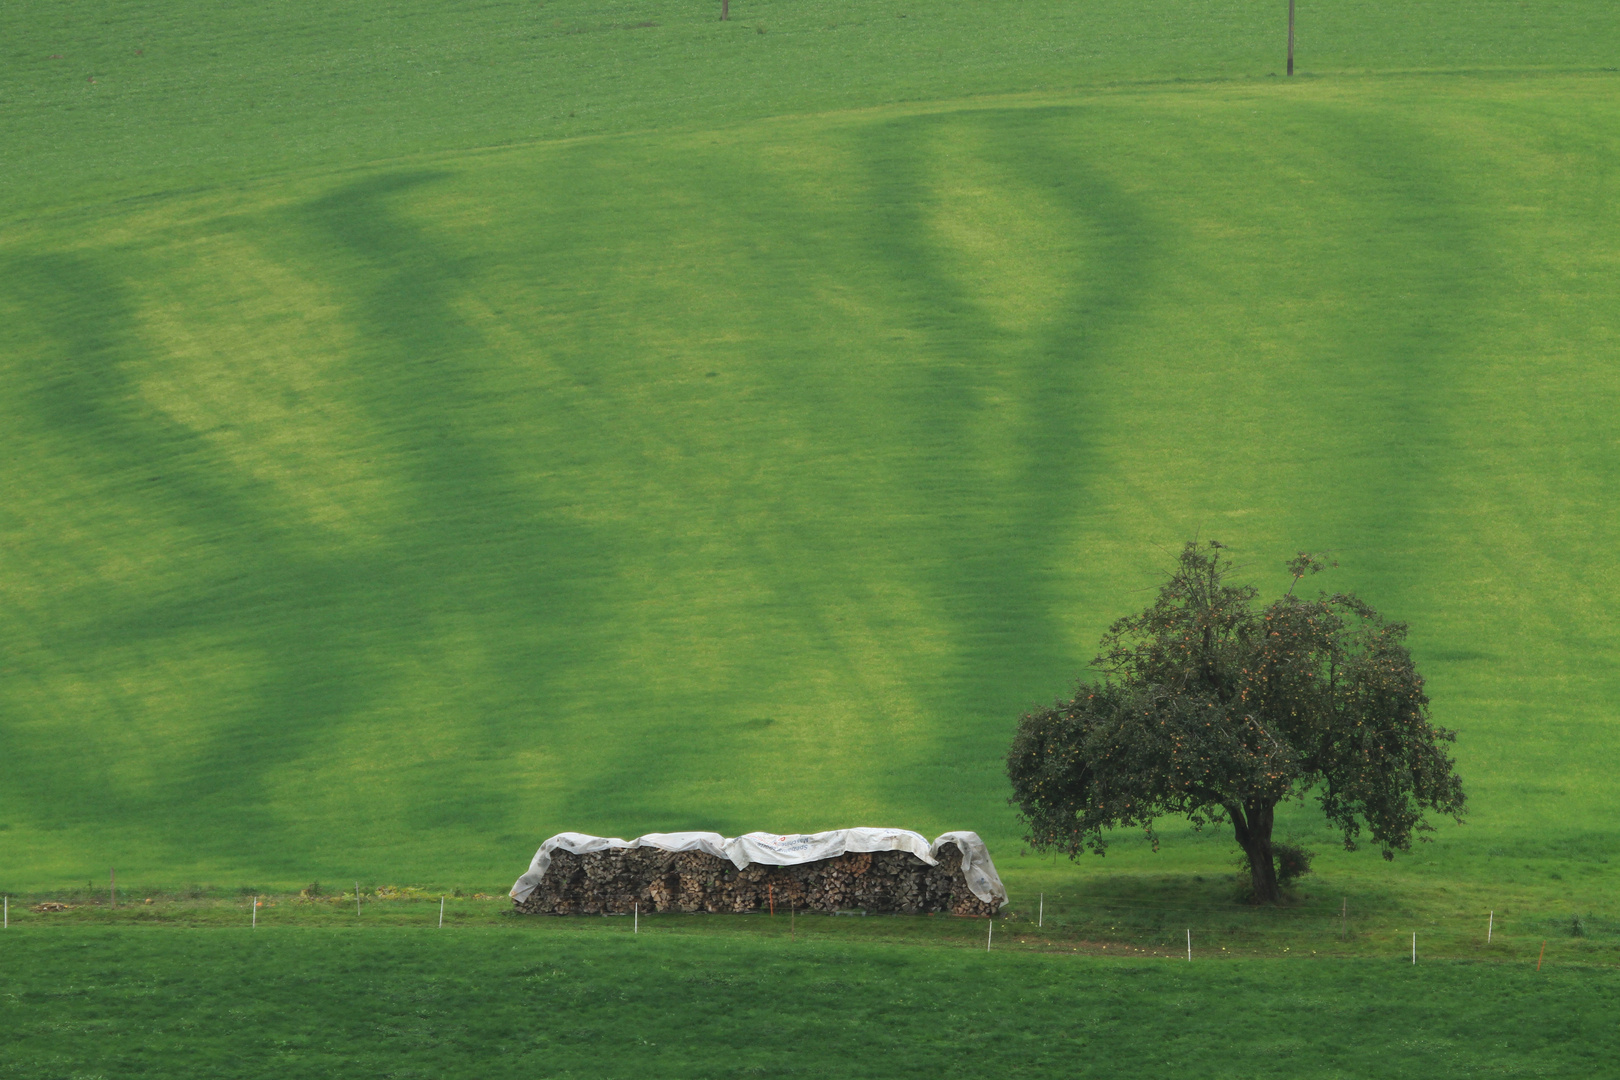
x=1490 y=928
x=990 y=935
x=725 y=10
x=255 y=924
x=1543 y=955
x=1041 y=919
x=635 y=920
x=1290 y=37
x=1414 y=946
x=1189 y=945
x=441 y=913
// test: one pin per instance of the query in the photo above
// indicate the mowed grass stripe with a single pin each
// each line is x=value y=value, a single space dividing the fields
x=387 y=522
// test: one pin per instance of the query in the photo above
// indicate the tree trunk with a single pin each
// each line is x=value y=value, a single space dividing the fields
x=1252 y=823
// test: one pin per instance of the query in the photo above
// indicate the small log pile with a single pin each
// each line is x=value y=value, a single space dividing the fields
x=615 y=882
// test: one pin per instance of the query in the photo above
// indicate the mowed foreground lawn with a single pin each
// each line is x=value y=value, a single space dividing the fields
x=384 y=521
x=606 y=1005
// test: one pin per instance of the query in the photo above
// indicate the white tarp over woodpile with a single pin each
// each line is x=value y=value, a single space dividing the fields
x=980 y=872
x=710 y=843
x=771 y=849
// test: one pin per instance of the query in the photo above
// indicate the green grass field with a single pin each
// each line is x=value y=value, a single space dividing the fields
x=147 y=96
x=400 y=470
x=586 y=1001
x=432 y=427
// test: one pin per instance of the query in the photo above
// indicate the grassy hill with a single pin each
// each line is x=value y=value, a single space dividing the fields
x=169 y=95
x=749 y=448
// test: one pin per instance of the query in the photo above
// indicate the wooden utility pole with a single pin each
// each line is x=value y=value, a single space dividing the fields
x=1290 y=37
x=725 y=12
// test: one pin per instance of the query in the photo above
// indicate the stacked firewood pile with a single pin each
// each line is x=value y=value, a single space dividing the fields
x=615 y=882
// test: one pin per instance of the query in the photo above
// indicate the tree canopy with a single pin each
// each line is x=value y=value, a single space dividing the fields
x=1216 y=710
